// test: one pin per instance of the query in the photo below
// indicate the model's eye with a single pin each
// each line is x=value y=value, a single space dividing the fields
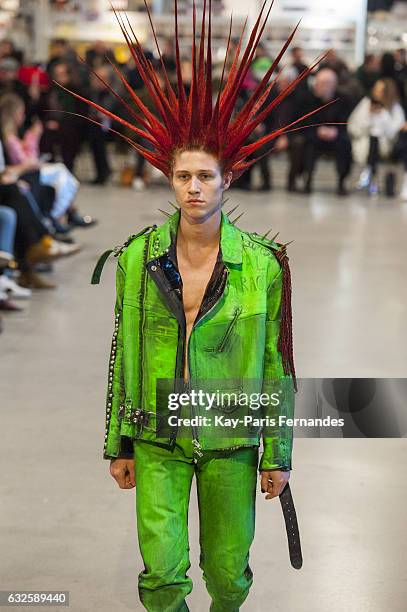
x=182 y=177
x=206 y=176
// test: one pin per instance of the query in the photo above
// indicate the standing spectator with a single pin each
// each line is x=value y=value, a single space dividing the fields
x=368 y=73
x=298 y=65
x=283 y=114
x=64 y=130
x=133 y=75
x=96 y=135
x=168 y=55
x=298 y=62
x=373 y=126
x=261 y=62
x=10 y=83
x=388 y=71
x=138 y=175
x=400 y=58
x=61 y=51
x=99 y=54
x=8 y=49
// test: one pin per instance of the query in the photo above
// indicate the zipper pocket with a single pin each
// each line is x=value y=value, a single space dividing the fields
x=223 y=342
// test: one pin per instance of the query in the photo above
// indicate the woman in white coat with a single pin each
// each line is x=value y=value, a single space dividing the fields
x=374 y=126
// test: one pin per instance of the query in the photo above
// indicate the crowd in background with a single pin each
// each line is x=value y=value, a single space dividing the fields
x=42 y=133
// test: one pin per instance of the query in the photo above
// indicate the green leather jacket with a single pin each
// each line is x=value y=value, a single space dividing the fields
x=238 y=336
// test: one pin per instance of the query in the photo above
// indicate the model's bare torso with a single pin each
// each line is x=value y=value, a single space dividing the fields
x=195 y=278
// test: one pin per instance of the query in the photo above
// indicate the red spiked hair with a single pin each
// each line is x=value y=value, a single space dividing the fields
x=183 y=122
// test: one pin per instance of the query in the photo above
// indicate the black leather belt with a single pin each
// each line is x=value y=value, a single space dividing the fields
x=291 y=525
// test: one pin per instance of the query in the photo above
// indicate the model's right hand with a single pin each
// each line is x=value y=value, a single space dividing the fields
x=122 y=471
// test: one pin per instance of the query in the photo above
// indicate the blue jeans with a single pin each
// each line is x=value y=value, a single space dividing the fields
x=64 y=183
x=8 y=222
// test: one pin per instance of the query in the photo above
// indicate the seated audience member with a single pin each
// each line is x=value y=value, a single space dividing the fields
x=374 y=125
x=8 y=287
x=20 y=149
x=311 y=142
x=33 y=243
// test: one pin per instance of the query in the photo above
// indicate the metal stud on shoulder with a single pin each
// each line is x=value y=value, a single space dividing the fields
x=167 y=214
x=230 y=212
x=174 y=205
x=237 y=218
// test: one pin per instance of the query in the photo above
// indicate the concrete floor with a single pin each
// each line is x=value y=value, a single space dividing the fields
x=65 y=524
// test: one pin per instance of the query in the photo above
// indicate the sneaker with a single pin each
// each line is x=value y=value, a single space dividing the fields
x=10 y=287
x=365 y=178
x=138 y=184
x=6 y=303
x=61 y=249
x=373 y=188
x=5 y=258
x=48 y=249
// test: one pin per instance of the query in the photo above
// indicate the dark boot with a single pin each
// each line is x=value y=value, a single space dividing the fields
x=341 y=189
x=308 y=184
x=390 y=184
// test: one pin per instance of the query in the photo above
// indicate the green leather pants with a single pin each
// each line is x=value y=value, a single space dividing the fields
x=226 y=483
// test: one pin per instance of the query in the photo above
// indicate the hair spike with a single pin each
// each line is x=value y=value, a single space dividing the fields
x=184 y=122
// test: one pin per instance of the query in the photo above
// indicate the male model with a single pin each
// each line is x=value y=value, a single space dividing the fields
x=198 y=299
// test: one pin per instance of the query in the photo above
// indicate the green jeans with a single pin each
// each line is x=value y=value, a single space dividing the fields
x=226 y=485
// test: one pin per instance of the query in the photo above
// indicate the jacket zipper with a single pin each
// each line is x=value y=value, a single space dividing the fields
x=195 y=439
x=226 y=336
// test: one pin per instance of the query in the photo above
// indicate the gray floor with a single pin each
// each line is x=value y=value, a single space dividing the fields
x=64 y=523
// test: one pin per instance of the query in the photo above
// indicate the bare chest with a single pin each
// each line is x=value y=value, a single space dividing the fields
x=195 y=278
x=194 y=282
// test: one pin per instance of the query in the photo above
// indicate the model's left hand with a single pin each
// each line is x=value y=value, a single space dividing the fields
x=273 y=482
